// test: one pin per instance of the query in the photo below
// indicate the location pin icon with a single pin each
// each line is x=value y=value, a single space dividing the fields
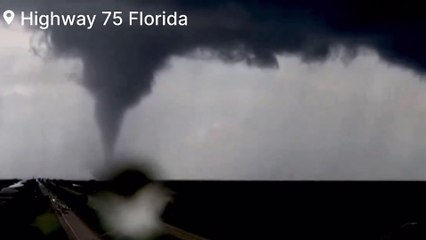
x=8 y=16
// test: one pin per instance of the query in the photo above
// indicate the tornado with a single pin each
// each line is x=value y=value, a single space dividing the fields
x=120 y=63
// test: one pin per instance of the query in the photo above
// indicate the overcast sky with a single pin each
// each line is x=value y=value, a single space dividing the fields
x=205 y=119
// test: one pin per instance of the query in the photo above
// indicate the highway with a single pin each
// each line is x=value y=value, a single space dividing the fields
x=48 y=209
x=24 y=203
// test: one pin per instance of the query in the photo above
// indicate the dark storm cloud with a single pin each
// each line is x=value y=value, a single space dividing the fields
x=120 y=63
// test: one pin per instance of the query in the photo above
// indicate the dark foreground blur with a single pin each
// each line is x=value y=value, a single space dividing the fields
x=130 y=206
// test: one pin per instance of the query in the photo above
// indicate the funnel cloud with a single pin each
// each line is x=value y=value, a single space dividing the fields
x=120 y=63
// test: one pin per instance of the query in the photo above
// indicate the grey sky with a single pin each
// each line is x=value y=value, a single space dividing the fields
x=209 y=120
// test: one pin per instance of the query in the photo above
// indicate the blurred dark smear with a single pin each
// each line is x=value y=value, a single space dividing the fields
x=129 y=202
x=128 y=182
x=124 y=176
